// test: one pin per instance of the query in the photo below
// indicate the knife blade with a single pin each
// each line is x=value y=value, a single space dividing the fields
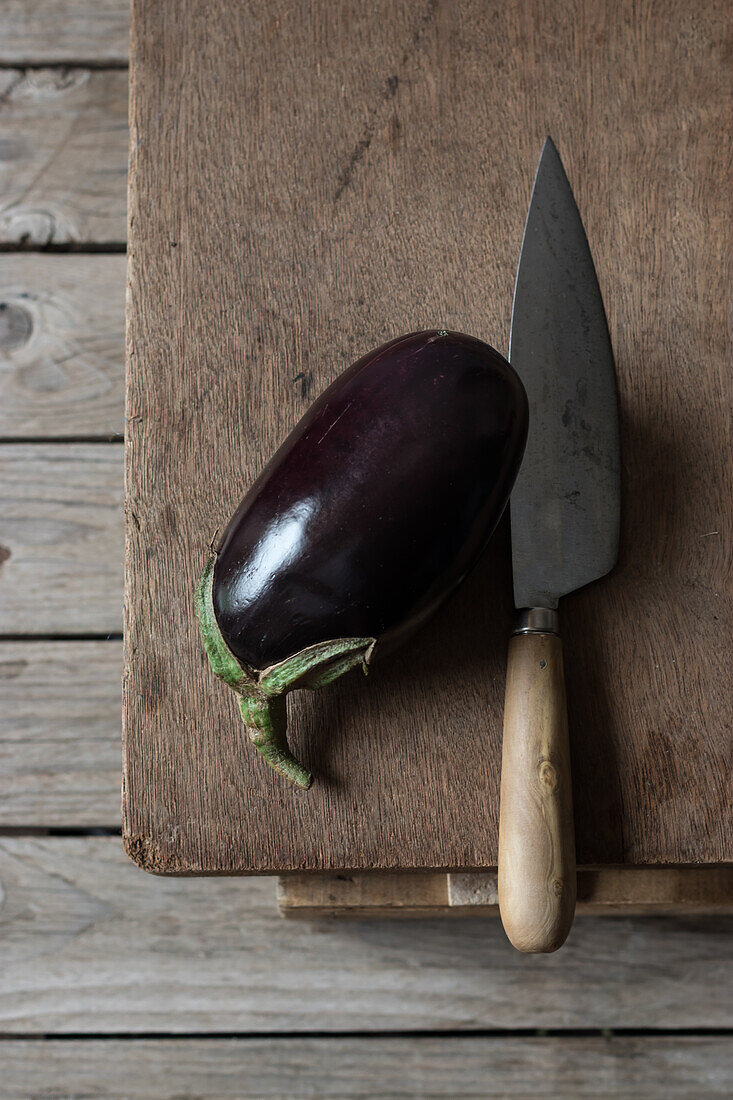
x=565 y=520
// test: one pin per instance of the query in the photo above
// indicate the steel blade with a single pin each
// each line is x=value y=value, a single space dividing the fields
x=565 y=507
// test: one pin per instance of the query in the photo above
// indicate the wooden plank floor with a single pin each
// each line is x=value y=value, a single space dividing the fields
x=114 y=983
x=426 y=1066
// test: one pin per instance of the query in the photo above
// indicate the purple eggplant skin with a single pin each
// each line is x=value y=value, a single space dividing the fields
x=368 y=517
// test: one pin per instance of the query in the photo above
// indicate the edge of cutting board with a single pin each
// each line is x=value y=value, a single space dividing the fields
x=602 y=891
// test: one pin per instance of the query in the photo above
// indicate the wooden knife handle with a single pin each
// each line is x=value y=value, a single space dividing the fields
x=536 y=835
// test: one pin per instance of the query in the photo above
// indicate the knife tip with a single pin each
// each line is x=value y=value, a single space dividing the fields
x=549 y=146
x=550 y=165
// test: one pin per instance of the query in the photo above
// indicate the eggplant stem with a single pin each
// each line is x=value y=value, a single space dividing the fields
x=266 y=722
x=261 y=694
x=264 y=711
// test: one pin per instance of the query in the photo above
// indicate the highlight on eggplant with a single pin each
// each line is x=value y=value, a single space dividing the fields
x=371 y=513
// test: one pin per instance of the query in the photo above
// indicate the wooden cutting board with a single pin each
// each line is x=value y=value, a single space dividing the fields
x=311 y=179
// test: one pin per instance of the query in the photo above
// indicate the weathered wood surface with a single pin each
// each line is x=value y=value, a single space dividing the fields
x=655 y=1068
x=61 y=345
x=63 y=171
x=606 y=891
x=89 y=944
x=60 y=538
x=374 y=894
x=71 y=31
x=60 y=733
x=379 y=183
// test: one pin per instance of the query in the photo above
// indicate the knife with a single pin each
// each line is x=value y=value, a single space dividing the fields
x=565 y=512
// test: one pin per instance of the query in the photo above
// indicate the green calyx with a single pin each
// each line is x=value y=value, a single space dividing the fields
x=261 y=693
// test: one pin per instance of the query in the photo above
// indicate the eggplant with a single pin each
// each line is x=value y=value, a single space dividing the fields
x=370 y=514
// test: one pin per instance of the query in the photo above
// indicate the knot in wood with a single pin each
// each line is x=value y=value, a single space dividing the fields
x=16 y=326
x=548 y=775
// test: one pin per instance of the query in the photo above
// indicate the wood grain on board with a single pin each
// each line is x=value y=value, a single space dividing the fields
x=60 y=733
x=63 y=169
x=88 y=944
x=70 y=31
x=492 y=1068
x=60 y=538
x=61 y=345
x=307 y=181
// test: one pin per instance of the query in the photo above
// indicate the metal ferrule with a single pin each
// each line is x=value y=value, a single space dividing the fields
x=537 y=620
